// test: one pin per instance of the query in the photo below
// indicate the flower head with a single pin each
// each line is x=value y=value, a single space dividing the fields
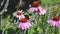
x=55 y=21
x=38 y=9
x=17 y=13
x=25 y=18
x=24 y=23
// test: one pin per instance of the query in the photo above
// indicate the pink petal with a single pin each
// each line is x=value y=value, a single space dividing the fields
x=25 y=25
x=32 y=9
x=58 y=24
x=20 y=16
x=28 y=24
x=42 y=10
x=51 y=22
x=22 y=27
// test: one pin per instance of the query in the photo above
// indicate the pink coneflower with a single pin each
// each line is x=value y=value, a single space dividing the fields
x=24 y=23
x=19 y=14
x=37 y=8
x=55 y=21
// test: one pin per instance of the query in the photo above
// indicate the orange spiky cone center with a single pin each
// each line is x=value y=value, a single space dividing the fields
x=18 y=13
x=23 y=19
x=35 y=4
x=56 y=18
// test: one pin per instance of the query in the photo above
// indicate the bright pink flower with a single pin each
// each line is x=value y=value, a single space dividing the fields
x=24 y=25
x=55 y=21
x=38 y=9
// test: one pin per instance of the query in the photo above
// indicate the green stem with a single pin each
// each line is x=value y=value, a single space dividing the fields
x=17 y=31
x=43 y=32
x=6 y=32
x=55 y=32
x=50 y=30
x=24 y=31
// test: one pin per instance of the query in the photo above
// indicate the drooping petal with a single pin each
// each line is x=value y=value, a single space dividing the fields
x=20 y=16
x=58 y=24
x=24 y=25
x=32 y=9
x=42 y=10
x=51 y=22
x=54 y=23
x=29 y=24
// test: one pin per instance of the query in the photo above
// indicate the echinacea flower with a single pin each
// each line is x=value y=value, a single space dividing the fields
x=37 y=8
x=19 y=14
x=24 y=23
x=55 y=21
